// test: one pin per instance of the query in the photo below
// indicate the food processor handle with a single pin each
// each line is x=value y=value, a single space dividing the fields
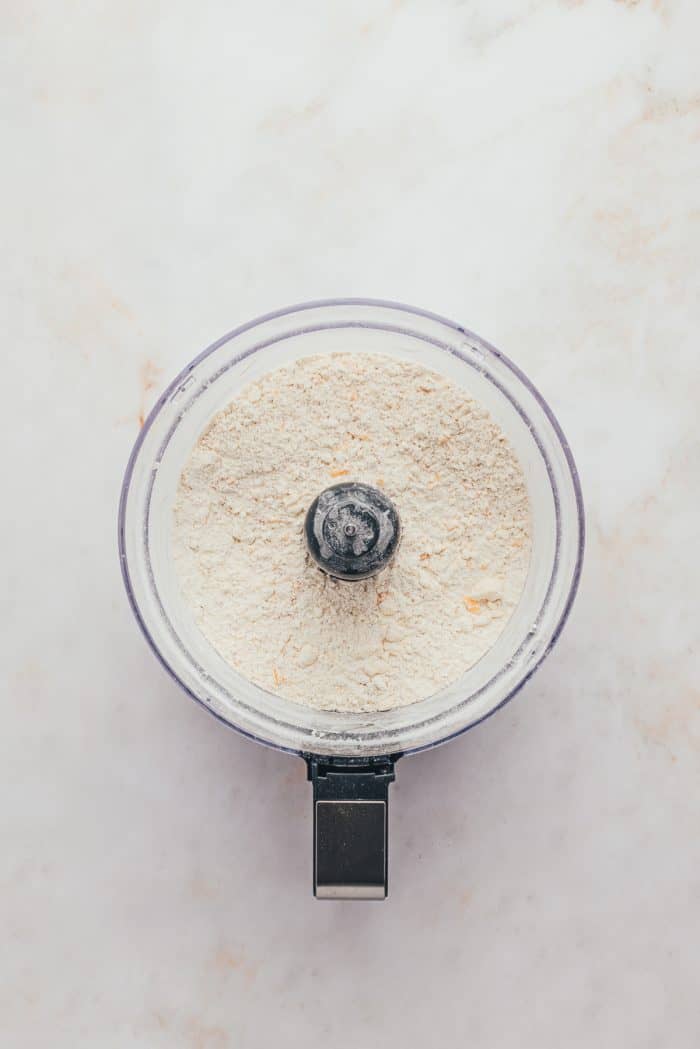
x=351 y=808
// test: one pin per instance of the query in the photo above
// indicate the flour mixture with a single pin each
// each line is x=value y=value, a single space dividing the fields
x=238 y=539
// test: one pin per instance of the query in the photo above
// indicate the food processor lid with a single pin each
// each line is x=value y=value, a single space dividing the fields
x=374 y=525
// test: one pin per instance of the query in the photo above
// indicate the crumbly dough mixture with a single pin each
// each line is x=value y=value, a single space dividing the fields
x=239 y=548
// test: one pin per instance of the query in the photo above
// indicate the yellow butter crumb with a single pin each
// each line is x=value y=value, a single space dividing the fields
x=339 y=473
x=473 y=605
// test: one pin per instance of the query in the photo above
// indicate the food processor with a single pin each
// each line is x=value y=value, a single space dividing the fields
x=350 y=756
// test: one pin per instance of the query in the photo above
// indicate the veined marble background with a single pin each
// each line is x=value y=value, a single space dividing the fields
x=530 y=168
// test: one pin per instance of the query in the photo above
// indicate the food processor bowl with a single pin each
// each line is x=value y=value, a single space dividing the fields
x=355 y=740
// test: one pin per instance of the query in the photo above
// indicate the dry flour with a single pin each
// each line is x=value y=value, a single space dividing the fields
x=239 y=548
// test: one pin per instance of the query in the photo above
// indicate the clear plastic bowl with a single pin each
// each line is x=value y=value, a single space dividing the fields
x=350 y=325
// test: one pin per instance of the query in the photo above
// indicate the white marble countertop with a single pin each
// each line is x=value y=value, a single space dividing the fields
x=529 y=168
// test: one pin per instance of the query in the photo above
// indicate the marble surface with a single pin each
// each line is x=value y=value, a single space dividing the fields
x=529 y=168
